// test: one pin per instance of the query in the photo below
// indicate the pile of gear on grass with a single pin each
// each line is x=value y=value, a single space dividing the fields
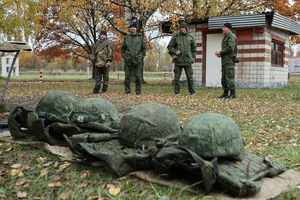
x=208 y=151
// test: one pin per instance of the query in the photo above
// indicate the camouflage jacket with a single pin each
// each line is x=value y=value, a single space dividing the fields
x=133 y=49
x=229 y=48
x=185 y=43
x=102 y=55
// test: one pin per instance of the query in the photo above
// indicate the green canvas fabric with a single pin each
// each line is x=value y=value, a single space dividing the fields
x=96 y=114
x=120 y=159
x=53 y=134
x=179 y=162
x=41 y=133
x=238 y=178
x=56 y=106
x=17 y=123
x=149 y=124
x=31 y=117
x=212 y=135
x=24 y=124
x=89 y=138
x=58 y=129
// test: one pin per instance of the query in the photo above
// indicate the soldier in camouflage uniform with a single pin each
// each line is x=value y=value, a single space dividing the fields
x=228 y=56
x=133 y=52
x=183 y=50
x=103 y=53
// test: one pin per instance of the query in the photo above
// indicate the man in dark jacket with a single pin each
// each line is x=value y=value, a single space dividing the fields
x=133 y=52
x=183 y=50
x=103 y=54
x=228 y=56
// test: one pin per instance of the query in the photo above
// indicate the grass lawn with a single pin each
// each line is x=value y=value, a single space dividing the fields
x=269 y=121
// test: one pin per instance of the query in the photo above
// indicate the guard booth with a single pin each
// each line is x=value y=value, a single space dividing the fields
x=6 y=62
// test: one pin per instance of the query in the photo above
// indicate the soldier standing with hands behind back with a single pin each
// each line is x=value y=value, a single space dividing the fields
x=183 y=50
x=228 y=58
x=103 y=53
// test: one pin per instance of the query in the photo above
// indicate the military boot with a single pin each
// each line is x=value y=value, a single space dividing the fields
x=224 y=95
x=95 y=91
x=232 y=95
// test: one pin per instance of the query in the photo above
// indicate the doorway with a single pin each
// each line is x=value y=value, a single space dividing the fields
x=213 y=63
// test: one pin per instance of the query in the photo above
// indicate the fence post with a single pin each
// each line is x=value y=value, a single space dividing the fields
x=41 y=77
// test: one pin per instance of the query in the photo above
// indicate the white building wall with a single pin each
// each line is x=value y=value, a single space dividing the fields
x=258 y=72
x=278 y=75
x=6 y=62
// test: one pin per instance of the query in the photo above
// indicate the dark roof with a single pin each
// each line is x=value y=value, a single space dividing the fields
x=255 y=20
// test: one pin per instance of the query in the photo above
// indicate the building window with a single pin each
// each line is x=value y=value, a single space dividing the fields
x=7 y=60
x=277 y=53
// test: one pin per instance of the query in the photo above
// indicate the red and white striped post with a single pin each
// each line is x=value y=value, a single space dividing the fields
x=118 y=76
x=165 y=76
x=41 y=77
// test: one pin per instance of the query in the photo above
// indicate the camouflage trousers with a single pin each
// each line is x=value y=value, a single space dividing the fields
x=99 y=73
x=189 y=75
x=228 y=75
x=136 y=72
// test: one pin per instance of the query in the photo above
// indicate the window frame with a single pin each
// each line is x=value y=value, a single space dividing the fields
x=281 y=43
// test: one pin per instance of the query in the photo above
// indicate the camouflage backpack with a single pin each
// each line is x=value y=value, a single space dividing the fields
x=149 y=124
x=56 y=106
x=96 y=114
x=213 y=135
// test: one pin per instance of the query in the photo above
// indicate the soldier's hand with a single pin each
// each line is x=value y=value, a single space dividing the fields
x=108 y=64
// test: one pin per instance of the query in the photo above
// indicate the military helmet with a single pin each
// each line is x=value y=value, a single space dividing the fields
x=56 y=105
x=96 y=114
x=149 y=124
x=213 y=135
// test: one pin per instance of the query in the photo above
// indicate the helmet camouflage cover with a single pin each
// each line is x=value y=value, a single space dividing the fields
x=56 y=105
x=149 y=124
x=213 y=135
x=96 y=114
